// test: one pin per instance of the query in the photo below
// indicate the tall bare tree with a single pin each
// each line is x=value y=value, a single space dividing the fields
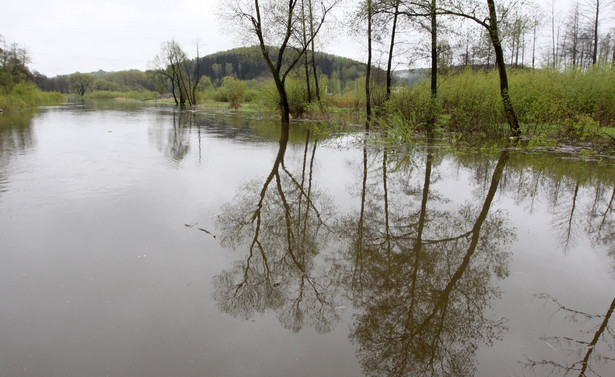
x=368 y=71
x=276 y=25
x=488 y=18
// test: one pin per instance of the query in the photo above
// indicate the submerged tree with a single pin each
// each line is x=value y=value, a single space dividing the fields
x=80 y=83
x=173 y=68
x=277 y=27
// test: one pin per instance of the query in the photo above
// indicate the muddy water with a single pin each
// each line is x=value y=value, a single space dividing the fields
x=144 y=241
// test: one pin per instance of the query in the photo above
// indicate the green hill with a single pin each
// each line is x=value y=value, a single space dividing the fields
x=247 y=63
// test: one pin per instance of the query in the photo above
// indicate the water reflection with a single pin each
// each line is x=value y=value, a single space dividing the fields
x=15 y=139
x=420 y=277
x=409 y=269
x=423 y=276
x=579 y=196
x=284 y=224
x=15 y=134
x=587 y=352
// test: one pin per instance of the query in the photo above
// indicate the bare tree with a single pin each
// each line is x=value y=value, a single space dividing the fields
x=172 y=67
x=368 y=70
x=276 y=25
x=489 y=20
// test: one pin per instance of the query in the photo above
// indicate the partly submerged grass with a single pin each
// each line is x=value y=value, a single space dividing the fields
x=27 y=95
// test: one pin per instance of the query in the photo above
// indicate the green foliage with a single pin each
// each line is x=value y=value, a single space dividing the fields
x=232 y=91
x=13 y=70
x=414 y=104
x=144 y=95
x=296 y=89
x=541 y=140
x=573 y=103
x=26 y=95
x=553 y=97
x=105 y=85
x=472 y=99
x=246 y=63
x=80 y=83
x=582 y=127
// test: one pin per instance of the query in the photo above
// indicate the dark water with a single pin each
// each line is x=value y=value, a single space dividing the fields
x=143 y=241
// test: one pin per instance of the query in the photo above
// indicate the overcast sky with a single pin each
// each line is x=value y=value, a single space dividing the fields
x=65 y=36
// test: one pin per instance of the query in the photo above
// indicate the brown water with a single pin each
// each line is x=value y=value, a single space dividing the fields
x=143 y=241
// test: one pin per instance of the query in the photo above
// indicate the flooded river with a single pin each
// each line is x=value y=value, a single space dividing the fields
x=145 y=241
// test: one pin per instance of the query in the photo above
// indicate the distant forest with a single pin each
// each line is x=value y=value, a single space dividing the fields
x=245 y=63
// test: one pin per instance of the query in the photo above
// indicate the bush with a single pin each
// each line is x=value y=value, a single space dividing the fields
x=473 y=100
x=26 y=95
x=232 y=91
x=414 y=104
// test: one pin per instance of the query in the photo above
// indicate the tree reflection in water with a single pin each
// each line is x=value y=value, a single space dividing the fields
x=15 y=138
x=419 y=270
x=283 y=224
x=594 y=347
x=174 y=142
x=422 y=278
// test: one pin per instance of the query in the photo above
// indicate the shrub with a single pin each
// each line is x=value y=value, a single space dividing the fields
x=232 y=91
x=414 y=104
x=25 y=95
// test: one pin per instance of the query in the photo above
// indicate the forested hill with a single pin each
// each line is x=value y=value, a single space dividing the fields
x=247 y=63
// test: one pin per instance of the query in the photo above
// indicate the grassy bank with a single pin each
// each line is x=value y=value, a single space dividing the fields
x=572 y=104
x=26 y=95
x=144 y=95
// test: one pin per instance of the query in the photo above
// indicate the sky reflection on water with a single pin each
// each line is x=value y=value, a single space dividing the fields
x=146 y=241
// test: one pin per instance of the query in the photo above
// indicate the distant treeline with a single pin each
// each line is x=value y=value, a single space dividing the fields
x=109 y=81
x=244 y=63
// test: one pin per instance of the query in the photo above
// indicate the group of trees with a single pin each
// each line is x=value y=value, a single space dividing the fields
x=497 y=33
x=176 y=73
x=13 y=69
x=576 y=38
x=484 y=33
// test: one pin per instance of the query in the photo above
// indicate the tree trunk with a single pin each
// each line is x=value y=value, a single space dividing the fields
x=305 y=57
x=434 y=50
x=284 y=106
x=391 y=48
x=307 y=79
x=595 y=55
x=368 y=71
x=314 y=68
x=553 y=32
x=499 y=59
x=534 y=48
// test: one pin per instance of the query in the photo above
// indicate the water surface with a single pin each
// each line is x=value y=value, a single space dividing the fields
x=145 y=241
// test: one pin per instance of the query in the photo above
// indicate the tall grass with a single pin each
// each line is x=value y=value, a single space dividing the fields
x=143 y=95
x=571 y=103
x=27 y=95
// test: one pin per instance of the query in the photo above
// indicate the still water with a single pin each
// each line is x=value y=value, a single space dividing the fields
x=144 y=241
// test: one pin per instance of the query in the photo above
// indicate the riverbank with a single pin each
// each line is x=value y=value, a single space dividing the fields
x=27 y=96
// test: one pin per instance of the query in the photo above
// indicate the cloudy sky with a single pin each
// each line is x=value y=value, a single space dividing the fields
x=65 y=36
